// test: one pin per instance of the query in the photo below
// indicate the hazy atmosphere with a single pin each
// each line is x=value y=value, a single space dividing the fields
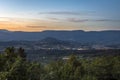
x=59 y=39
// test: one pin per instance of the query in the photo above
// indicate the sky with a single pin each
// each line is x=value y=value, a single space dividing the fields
x=40 y=15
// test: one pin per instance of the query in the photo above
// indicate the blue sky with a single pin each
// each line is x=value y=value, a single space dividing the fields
x=61 y=14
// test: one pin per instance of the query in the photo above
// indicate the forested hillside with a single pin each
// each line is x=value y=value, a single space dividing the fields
x=15 y=66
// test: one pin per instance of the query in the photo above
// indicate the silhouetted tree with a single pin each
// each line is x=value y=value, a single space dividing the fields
x=21 y=53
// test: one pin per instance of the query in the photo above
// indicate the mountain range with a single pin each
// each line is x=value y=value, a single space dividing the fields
x=108 y=36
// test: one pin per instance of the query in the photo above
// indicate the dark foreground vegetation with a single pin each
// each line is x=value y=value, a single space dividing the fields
x=14 y=66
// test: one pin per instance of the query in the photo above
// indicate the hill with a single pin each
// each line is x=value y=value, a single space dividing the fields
x=106 y=37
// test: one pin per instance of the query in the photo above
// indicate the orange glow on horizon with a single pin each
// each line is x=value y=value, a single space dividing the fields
x=36 y=25
x=31 y=25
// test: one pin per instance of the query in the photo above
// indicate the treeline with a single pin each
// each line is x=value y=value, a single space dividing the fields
x=14 y=66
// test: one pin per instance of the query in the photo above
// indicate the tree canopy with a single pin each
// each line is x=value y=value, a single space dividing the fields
x=15 y=66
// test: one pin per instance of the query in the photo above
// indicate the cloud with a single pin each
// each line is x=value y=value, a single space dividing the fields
x=52 y=18
x=37 y=27
x=66 y=13
x=110 y=20
x=76 y=20
x=91 y=20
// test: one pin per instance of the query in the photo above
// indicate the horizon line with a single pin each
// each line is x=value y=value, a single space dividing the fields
x=61 y=30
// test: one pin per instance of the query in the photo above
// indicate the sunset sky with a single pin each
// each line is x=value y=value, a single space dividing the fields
x=39 y=15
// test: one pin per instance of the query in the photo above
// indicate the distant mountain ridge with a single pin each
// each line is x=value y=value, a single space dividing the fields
x=109 y=36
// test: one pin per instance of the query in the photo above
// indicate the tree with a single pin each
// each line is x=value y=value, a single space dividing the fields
x=18 y=71
x=102 y=68
x=35 y=71
x=10 y=52
x=73 y=69
x=21 y=53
